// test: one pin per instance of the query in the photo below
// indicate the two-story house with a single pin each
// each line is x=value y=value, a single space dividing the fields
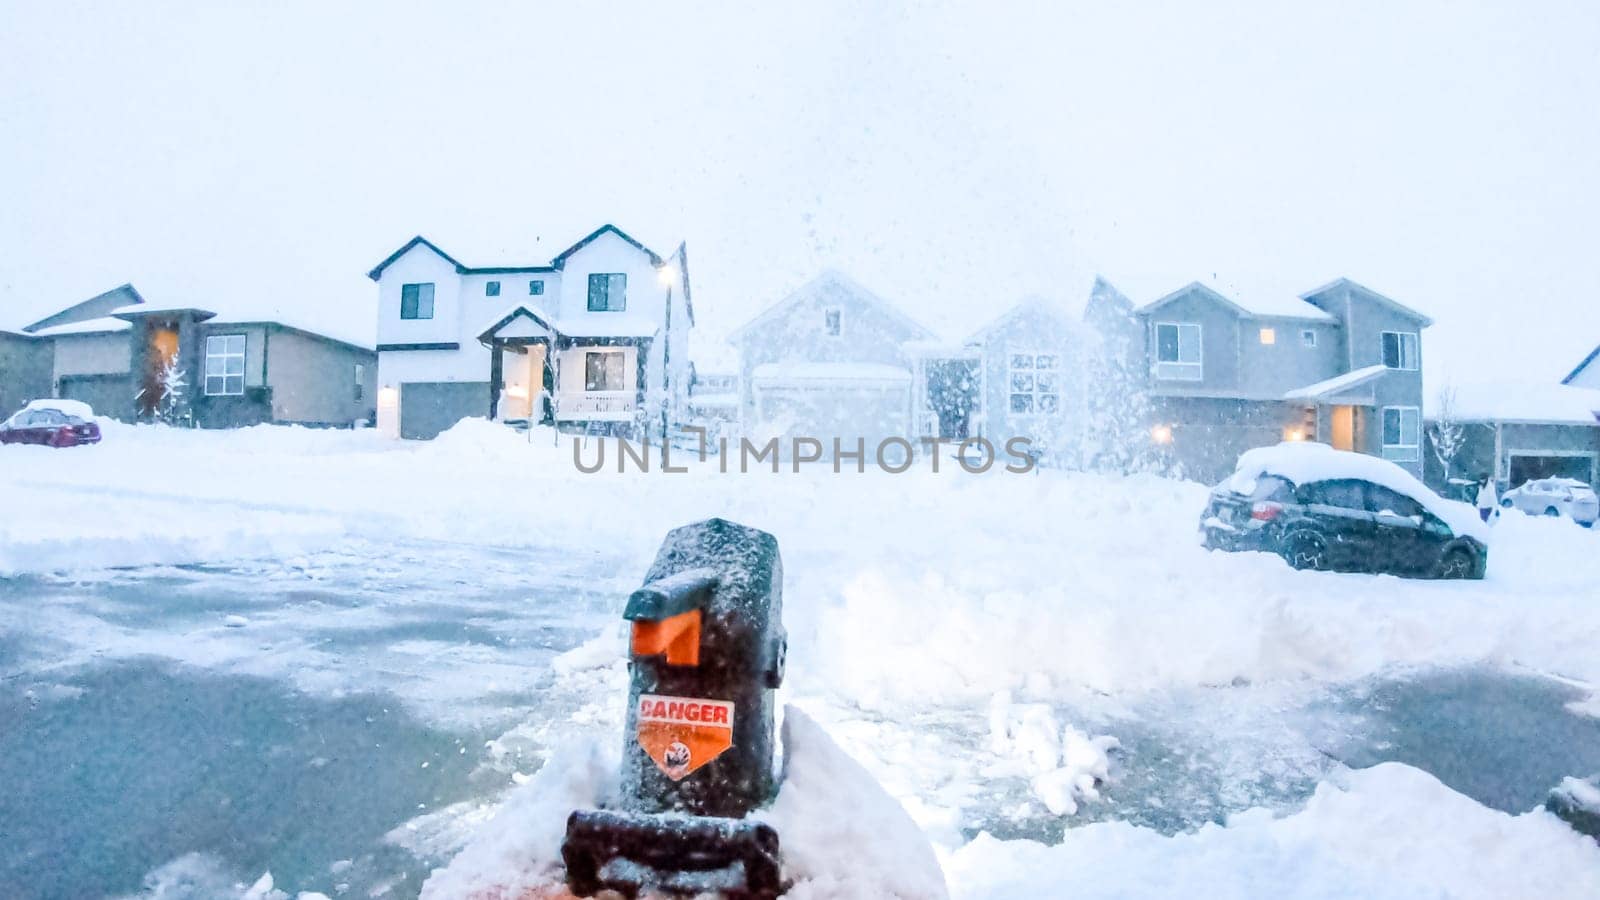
x=596 y=339
x=114 y=351
x=832 y=359
x=1341 y=364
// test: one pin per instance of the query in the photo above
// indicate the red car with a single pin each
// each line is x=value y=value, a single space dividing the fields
x=48 y=426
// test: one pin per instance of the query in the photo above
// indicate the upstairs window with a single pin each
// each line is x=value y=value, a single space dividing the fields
x=1400 y=350
x=608 y=292
x=1308 y=338
x=831 y=323
x=536 y=287
x=491 y=289
x=603 y=371
x=1035 y=384
x=1402 y=432
x=1269 y=336
x=416 y=301
x=224 y=365
x=361 y=380
x=1178 y=351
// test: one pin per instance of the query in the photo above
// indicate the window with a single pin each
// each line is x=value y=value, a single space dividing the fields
x=361 y=380
x=608 y=292
x=536 y=286
x=1401 y=430
x=1269 y=336
x=1382 y=500
x=831 y=323
x=1035 y=383
x=416 y=301
x=1178 y=351
x=491 y=289
x=1344 y=493
x=1308 y=338
x=602 y=370
x=225 y=365
x=1400 y=350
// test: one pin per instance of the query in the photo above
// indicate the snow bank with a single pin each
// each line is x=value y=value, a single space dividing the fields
x=843 y=837
x=1391 y=831
x=1303 y=462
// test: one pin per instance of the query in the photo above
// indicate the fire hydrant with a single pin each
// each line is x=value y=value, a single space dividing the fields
x=707 y=651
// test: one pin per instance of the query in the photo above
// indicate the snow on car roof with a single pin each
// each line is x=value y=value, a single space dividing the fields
x=76 y=408
x=1303 y=462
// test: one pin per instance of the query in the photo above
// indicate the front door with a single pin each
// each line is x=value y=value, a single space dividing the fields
x=1343 y=427
x=953 y=395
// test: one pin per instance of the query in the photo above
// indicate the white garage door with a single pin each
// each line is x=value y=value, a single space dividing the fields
x=825 y=408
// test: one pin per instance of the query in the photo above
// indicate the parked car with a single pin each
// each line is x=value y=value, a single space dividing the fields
x=1555 y=497
x=1321 y=508
x=54 y=423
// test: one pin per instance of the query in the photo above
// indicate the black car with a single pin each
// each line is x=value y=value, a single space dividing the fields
x=1343 y=524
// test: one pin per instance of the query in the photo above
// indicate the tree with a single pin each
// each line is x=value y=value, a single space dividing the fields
x=1446 y=435
x=173 y=407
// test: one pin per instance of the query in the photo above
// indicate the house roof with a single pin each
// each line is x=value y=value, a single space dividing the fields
x=142 y=310
x=586 y=327
x=1265 y=305
x=835 y=278
x=377 y=271
x=102 y=325
x=554 y=265
x=1369 y=292
x=127 y=290
x=1332 y=387
x=1593 y=354
x=835 y=372
x=1519 y=402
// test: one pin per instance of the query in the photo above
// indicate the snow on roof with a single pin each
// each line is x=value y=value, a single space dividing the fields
x=1518 y=401
x=1272 y=304
x=714 y=357
x=826 y=371
x=88 y=326
x=142 y=309
x=75 y=408
x=1337 y=385
x=1304 y=462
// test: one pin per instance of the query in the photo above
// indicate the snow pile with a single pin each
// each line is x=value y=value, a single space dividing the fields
x=1065 y=766
x=1391 y=831
x=519 y=850
x=1303 y=462
x=843 y=837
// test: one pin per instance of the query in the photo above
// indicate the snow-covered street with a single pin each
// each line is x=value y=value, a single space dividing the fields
x=333 y=656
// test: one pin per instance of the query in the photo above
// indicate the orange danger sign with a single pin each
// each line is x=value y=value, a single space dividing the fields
x=684 y=733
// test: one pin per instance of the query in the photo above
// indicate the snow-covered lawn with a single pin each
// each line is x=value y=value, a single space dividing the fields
x=972 y=640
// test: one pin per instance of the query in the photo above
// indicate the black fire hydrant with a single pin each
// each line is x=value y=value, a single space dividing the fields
x=706 y=652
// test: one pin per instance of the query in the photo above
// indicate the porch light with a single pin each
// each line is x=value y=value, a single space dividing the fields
x=388 y=396
x=517 y=391
x=1161 y=434
x=1293 y=434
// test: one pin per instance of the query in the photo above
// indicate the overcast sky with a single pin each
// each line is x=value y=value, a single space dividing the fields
x=953 y=157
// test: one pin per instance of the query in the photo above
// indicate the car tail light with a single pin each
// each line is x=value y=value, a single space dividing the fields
x=1265 y=510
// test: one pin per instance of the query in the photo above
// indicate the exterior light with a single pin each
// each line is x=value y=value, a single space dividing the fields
x=388 y=396
x=1293 y=434
x=1161 y=434
x=517 y=391
x=667 y=274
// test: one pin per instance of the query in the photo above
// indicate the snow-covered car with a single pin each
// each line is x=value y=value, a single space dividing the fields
x=1555 y=497
x=53 y=423
x=1321 y=508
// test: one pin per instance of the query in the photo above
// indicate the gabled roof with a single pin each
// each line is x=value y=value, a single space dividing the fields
x=1593 y=354
x=1257 y=308
x=1332 y=387
x=102 y=325
x=377 y=271
x=842 y=281
x=1026 y=304
x=561 y=258
x=555 y=264
x=582 y=327
x=128 y=292
x=519 y=311
x=1369 y=292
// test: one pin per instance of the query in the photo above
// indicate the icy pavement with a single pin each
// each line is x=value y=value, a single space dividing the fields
x=345 y=718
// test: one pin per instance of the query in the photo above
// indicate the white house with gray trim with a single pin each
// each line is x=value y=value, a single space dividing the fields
x=1341 y=364
x=596 y=340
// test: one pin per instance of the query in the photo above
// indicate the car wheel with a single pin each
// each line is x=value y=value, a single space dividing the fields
x=1458 y=563
x=1506 y=503
x=1552 y=512
x=1305 y=551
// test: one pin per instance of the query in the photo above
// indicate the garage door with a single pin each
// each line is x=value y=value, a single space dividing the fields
x=430 y=407
x=1529 y=466
x=107 y=395
x=871 y=413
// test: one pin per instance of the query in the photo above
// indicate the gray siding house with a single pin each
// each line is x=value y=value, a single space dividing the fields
x=1514 y=432
x=834 y=360
x=110 y=352
x=1341 y=364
